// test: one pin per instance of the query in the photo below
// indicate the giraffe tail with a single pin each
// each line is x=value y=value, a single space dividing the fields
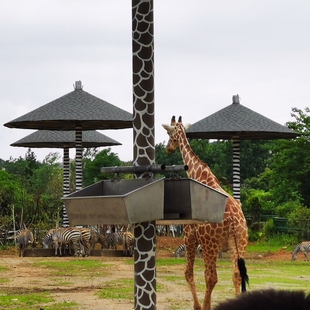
x=243 y=273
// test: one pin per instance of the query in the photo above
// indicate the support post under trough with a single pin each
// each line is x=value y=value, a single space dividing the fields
x=144 y=145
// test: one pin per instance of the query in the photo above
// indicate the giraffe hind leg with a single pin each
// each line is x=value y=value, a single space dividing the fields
x=210 y=278
x=189 y=273
x=189 y=276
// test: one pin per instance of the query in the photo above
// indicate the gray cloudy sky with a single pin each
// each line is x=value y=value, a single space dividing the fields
x=205 y=52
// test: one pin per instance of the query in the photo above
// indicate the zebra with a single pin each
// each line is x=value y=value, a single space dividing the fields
x=64 y=236
x=98 y=238
x=301 y=247
x=128 y=243
x=182 y=248
x=24 y=238
x=86 y=237
x=50 y=242
x=115 y=239
x=90 y=238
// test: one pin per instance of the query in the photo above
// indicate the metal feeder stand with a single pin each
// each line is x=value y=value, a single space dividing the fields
x=124 y=201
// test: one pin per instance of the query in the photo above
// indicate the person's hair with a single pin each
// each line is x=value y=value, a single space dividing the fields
x=269 y=299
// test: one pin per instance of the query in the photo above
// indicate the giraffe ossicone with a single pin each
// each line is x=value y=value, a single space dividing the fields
x=211 y=236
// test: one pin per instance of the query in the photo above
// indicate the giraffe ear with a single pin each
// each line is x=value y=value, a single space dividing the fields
x=167 y=127
x=187 y=126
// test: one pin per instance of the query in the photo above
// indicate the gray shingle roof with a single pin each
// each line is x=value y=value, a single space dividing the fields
x=61 y=139
x=76 y=107
x=235 y=120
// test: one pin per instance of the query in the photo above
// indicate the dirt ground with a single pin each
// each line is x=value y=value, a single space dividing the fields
x=25 y=275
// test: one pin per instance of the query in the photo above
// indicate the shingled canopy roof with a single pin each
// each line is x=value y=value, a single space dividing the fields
x=76 y=108
x=238 y=120
x=61 y=139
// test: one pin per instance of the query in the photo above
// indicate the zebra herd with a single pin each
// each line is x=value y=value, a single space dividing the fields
x=82 y=240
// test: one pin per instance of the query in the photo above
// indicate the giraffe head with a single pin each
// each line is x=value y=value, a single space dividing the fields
x=174 y=131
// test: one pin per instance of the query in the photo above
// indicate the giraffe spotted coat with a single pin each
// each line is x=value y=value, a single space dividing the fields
x=211 y=236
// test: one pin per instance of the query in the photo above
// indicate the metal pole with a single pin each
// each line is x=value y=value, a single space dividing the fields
x=144 y=145
x=143 y=169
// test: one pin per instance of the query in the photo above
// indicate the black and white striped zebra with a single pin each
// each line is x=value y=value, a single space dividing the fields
x=301 y=247
x=24 y=238
x=98 y=238
x=128 y=243
x=86 y=239
x=115 y=239
x=182 y=248
x=62 y=236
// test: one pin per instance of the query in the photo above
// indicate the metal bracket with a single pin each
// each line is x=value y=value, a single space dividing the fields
x=143 y=170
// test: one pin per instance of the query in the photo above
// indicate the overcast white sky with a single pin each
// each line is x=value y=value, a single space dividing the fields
x=205 y=52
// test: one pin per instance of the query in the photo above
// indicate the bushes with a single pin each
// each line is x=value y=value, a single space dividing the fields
x=269 y=229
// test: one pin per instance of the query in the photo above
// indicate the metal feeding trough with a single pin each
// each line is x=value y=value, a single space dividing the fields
x=188 y=201
x=124 y=201
x=117 y=201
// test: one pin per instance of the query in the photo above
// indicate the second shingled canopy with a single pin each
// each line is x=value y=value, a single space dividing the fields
x=237 y=122
x=62 y=139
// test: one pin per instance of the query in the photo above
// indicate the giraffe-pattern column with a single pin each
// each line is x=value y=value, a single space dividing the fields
x=236 y=167
x=144 y=145
x=145 y=265
x=66 y=185
x=143 y=82
x=78 y=158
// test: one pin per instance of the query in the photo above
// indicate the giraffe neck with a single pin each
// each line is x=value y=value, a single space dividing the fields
x=197 y=169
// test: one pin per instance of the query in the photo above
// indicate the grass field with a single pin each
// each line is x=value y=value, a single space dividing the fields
x=100 y=283
x=62 y=275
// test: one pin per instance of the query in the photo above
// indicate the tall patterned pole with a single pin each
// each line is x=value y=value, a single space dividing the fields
x=79 y=150
x=144 y=145
x=78 y=158
x=66 y=185
x=236 y=160
x=236 y=167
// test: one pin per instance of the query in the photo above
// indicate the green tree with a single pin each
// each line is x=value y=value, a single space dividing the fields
x=33 y=188
x=290 y=164
x=162 y=157
x=300 y=219
x=254 y=157
x=92 y=168
x=8 y=191
x=46 y=190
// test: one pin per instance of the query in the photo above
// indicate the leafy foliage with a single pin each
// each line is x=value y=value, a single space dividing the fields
x=91 y=168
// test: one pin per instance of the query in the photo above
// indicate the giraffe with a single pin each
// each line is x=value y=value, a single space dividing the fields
x=211 y=236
